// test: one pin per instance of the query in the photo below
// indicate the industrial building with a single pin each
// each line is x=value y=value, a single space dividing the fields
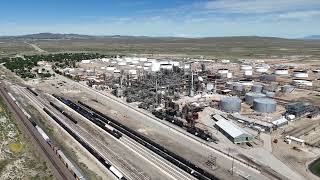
x=236 y=134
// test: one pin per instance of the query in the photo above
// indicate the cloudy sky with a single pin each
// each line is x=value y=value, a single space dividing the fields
x=188 y=18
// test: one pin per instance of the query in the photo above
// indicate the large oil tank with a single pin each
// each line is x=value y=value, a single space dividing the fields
x=256 y=88
x=264 y=105
x=268 y=77
x=230 y=104
x=250 y=96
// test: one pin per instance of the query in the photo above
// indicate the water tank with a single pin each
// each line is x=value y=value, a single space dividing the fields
x=250 y=96
x=256 y=88
x=264 y=105
x=287 y=89
x=238 y=87
x=230 y=104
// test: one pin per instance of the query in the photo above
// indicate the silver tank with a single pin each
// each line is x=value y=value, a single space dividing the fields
x=230 y=104
x=250 y=96
x=256 y=88
x=264 y=105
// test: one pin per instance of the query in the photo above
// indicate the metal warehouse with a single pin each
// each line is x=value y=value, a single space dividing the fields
x=232 y=131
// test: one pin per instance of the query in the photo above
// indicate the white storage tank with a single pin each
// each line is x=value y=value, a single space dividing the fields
x=246 y=82
x=281 y=71
x=143 y=59
x=248 y=73
x=301 y=82
x=122 y=63
x=246 y=67
x=133 y=72
x=262 y=68
x=300 y=74
x=229 y=75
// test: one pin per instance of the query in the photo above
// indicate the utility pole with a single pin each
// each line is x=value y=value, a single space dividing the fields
x=232 y=165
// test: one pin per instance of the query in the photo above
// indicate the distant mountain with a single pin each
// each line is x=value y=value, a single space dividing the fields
x=312 y=37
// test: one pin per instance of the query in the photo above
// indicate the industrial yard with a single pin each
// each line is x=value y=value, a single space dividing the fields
x=222 y=118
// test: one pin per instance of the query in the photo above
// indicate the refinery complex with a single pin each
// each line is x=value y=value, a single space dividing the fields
x=146 y=117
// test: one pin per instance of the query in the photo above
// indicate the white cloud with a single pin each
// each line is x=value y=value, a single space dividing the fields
x=300 y=15
x=260 y=6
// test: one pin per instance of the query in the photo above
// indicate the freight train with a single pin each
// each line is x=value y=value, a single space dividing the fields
x=94 y=152
x=63 y=112
x=32 y=91
x=193 y=130
x=76 y=173
x=172 y=157
x=89 y=116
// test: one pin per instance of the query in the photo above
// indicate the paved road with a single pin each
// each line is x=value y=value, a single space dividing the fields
x=37 y=48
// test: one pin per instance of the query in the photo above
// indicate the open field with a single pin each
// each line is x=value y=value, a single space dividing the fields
x=217 y=47
x=17 y=157
x=14 y=47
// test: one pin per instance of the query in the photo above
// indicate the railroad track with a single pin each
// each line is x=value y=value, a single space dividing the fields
x=84 y=134
x=60 y=172
x=162 y=164
x=175 y=159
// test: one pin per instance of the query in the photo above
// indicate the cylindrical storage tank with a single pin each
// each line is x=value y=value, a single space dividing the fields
x=229 y=75
x=256 y=88
x=268 y=77
x=270 y=94
x=246 y=67
x=262 y=69
x=250 y=96
x=301 y=82
x=281 y=71
x=223 y=71
x=264 y=105
x=122 y=63
x=300 y=74
x=246 y=82
x=230 y=104
x=238 y=87
x=248 y=72
x=287 y=89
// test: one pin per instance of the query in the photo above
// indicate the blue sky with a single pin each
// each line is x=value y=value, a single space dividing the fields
x=188 y=18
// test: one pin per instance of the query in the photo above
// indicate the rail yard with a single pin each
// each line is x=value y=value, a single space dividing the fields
x=173 y=118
